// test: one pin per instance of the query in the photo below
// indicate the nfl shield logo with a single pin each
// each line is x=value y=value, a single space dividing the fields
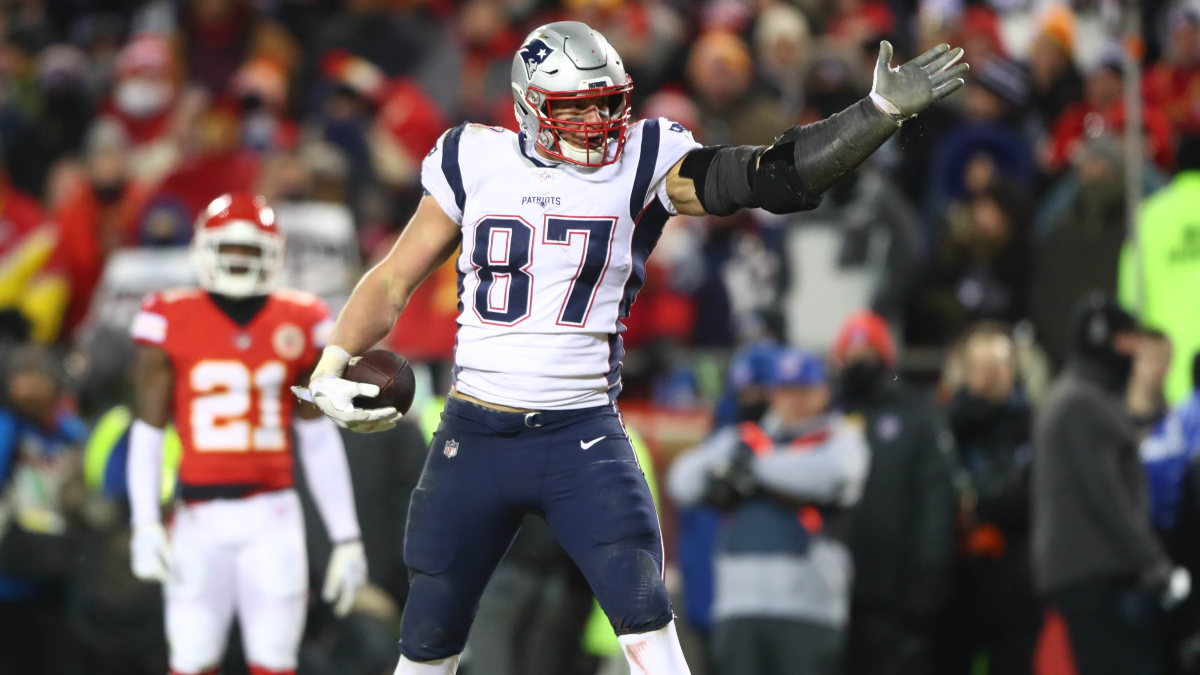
x=451 y=448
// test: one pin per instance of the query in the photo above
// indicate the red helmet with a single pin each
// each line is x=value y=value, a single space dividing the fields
x=237 y=248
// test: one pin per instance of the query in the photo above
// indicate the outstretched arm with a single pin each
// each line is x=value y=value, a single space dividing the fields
x=430 y=238
x=792 y=174
x=155 y=377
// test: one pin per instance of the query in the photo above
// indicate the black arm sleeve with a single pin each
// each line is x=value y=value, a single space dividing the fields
x=792 y=174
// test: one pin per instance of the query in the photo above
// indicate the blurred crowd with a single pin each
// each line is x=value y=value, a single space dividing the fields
x=873 y=368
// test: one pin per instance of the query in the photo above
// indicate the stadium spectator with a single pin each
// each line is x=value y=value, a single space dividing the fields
x=118 y=619
x=97 y=216
x=1156 y=268
x=990 y=143
x=143 y=102
x=1145 y=399
x=1077 y=241
x=903 y=535
x=1174 y=82
x=40 y=470
x=733 y=110
x=1055 y=82
x=782 y=47
x=783 y=568
x=33 y=278
x=55 y=128
x=1095 y=555
x=215 y=37
x=1103 y=111
x=995 y=611
x=979 y=268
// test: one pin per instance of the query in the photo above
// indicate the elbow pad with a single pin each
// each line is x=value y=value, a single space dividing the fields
x=792 y=174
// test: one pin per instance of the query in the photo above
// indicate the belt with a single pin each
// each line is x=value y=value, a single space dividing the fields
x=513 y=422
x=204 y=493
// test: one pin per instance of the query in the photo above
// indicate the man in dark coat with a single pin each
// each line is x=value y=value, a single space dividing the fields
x=903 y=533
x=1095 y=554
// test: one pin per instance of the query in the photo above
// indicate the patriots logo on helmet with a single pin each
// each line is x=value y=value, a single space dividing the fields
x=533 y=54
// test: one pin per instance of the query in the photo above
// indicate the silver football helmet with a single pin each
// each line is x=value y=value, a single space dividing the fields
x=564 y=61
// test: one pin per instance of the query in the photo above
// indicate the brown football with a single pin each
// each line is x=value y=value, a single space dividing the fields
x=391 y=373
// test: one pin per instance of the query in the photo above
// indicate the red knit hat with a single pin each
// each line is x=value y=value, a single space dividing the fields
x=868 y=328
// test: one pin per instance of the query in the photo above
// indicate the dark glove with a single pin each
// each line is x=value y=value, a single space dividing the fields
x=728 y=486
x=905 y=91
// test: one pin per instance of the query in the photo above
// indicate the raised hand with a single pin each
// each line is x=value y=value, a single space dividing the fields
x=905 y=91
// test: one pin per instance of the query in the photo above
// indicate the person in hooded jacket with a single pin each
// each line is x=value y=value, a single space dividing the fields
x=1095 y=554
x=902 y=538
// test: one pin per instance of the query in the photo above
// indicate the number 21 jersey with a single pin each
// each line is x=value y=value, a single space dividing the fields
x=552 y=257
x=231 y=403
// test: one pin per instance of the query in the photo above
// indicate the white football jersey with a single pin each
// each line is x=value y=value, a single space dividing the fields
x=553 y=255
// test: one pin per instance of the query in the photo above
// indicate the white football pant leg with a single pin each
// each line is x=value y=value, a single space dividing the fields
x=654 y=653
x=272 y=582
x=441 y=667
x=199 y=595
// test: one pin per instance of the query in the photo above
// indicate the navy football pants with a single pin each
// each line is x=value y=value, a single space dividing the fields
x=485 y=470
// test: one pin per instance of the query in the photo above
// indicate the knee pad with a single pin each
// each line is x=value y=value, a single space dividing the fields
x=435 y=623
x=633 y=595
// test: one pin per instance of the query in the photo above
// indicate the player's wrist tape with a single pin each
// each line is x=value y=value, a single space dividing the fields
x=333 y=361
x=887 y=106
x=793 y=173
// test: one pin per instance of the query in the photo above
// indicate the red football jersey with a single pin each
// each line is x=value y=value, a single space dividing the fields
x=232 y=402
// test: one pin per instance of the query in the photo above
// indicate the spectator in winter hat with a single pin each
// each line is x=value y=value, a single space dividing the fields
x=1056 y=82
x=260 y=86
x=145 y=90
x=786 y=483
x=781 y=47
x=721 y=72
x=903 y=535
x=407 y=124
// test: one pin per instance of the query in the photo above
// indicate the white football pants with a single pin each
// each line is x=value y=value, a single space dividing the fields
x=245 y=556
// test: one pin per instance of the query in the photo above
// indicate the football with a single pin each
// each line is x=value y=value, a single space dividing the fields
x=391 y=373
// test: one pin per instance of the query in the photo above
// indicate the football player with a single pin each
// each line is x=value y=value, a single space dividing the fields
x=217 y=360
x=553 y=226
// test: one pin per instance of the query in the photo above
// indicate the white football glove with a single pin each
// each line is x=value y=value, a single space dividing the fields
x=150 y=552
x=335 y=396
x=1179 y=587
x=347 y=572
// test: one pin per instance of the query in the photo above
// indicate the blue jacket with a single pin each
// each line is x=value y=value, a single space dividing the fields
x=21 y=440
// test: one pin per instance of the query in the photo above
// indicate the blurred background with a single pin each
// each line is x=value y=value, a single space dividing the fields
x=1068 y=163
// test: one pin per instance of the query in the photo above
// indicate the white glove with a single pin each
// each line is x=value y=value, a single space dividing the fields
x=334 y=395
x=347 y=572
x=150 y=551
x=1178 y=588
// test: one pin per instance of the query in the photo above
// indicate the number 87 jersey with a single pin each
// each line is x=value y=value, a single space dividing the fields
x=231 y=403
x=553 y=255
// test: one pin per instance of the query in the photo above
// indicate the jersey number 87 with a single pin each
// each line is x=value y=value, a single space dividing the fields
x=503 y=254
x=222 y=401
